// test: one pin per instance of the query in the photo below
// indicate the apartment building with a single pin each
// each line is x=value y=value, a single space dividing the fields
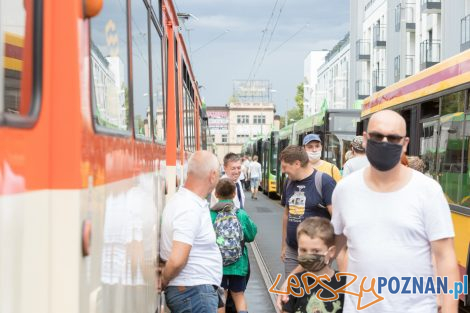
x=394 y=39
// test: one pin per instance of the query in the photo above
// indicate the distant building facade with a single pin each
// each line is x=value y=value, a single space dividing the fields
x=311 y=64
x=332 y=79
x=250 y=113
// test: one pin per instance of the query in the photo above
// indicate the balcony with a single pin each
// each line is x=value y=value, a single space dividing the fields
x=362 y=89
x=380 y=32
x=363 y=49
x=409 y=65
x=407 y=16
x=379 y=80
x=465 y=33
x=430 y=53
x=410 y=19
x=430 y=6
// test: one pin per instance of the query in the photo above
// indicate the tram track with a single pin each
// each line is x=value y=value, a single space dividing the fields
x=267 y=278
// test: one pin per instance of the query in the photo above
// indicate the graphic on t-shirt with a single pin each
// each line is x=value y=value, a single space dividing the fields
x=317 y=306
x=297 y=203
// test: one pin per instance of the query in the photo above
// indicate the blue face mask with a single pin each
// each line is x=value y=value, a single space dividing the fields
x=383 y=155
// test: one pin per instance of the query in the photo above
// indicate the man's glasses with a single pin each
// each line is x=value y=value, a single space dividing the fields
x=380 y=137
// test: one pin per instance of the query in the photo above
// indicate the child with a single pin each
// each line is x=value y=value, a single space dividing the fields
x=233 y=229
x=315 y=237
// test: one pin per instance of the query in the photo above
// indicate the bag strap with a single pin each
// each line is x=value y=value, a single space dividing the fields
x=318 y=183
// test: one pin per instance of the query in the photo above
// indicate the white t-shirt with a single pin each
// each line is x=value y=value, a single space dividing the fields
x=355 y=164
x=390 y=234
x=186 y=218
x=255 y=169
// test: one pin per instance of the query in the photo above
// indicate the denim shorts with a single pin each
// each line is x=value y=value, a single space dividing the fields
x=192 y=299
x=254 y=182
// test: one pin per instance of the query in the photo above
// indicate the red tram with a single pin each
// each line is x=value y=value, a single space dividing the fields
x=99 y=111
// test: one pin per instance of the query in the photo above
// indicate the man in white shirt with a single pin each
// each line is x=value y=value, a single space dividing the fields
x=359 y=159
x=233 y=168
x=255 y=176
x=193 y=263
x=393 y=221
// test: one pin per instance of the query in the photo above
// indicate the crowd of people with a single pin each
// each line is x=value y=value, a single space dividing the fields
x=381 y=217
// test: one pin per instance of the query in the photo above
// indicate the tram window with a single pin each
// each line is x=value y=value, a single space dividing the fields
x=430 y=109
x=428 y=146
x=140 y=68
x=159 y=110
x=177 y=102
x=17 y=28
x=451 y=143
x=465 y=197
x=109 y=70
x=157 y=8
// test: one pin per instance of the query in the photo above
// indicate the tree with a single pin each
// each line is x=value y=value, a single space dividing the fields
x=292 y=116
x=299 y=98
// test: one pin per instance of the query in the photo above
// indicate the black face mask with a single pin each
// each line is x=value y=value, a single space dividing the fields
x=383 y=155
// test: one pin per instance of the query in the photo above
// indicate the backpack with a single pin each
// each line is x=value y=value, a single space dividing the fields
x=229 y=236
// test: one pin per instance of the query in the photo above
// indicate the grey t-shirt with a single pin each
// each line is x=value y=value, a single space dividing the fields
x=355 y=164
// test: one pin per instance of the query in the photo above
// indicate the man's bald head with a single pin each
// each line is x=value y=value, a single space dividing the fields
x=387 y=122
x=201 y=164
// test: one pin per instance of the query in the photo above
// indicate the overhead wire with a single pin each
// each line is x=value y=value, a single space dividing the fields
x=270 y=38
x=265 y=29
x=287 y=40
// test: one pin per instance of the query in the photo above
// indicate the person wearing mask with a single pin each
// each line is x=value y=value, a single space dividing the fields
x=313 y=147
x=393 y=221
x=359 y=159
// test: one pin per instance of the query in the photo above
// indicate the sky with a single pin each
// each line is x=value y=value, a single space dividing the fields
x=225 y=35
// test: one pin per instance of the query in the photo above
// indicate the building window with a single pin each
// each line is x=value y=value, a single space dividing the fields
x=243 y=119
x=242 y=138
x=224 y=138
x=259 y=119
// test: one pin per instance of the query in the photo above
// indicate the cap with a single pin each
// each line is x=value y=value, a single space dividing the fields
x=357 y=144
x=311 y=137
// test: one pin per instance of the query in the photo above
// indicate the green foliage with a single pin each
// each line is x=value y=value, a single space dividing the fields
x=299 y=98
x=293 y=115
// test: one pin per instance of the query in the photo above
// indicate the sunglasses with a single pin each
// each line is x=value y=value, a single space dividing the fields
x=380 y=137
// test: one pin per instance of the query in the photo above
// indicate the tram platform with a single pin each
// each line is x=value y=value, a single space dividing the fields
x=264 y=252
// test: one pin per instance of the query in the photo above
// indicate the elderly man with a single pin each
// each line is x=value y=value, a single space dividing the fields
x=359 y=159
x=193 y=268
x=233 y=168
x=394 y=220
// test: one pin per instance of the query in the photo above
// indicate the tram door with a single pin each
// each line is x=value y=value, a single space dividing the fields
x=280 y=177
x=265 y=165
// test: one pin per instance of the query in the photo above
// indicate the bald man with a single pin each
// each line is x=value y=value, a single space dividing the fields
x=394 y=221
x=193 y=263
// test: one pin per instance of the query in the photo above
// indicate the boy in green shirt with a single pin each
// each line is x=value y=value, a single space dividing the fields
x=233 y=228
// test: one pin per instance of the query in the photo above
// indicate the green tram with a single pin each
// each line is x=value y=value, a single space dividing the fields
x=266 y=148
x=335 y=127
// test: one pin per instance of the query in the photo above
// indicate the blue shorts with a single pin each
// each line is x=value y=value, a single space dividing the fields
x=254 y=182
x=234 y=283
